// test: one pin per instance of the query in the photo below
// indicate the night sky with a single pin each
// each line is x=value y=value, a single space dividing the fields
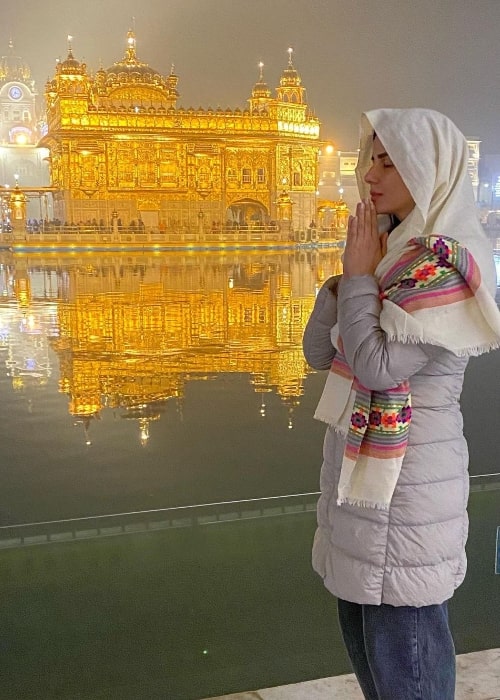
x=352 y=55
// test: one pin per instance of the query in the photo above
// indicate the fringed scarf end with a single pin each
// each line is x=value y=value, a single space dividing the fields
x=325 y=418
x=478 y=349
x=470 y=351
x=361 y=503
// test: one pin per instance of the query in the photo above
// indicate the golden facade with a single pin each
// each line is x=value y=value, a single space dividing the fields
x=122 y=151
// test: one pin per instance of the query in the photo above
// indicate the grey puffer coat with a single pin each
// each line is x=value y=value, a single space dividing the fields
x=414 y=553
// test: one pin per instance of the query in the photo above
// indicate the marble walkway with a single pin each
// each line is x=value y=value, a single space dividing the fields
x=478 y=678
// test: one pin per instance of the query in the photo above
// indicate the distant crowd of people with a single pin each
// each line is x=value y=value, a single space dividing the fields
x=46 y=225
x=56 y=225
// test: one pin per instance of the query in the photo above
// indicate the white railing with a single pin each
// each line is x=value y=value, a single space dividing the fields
x=44 y=532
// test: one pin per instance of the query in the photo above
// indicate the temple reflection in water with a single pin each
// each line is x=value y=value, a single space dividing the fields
x=130 y=332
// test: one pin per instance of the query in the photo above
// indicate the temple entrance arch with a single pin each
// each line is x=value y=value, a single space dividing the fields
x=247 y=213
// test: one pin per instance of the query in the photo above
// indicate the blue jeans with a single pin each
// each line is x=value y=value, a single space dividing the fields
x=400 y=653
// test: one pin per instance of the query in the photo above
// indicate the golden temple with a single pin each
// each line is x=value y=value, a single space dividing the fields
x=124 y=155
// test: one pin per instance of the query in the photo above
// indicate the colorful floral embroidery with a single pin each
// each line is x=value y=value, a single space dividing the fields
x=424 y=272
x=408 y=282
x=389 y=420
x=404 y=415
x=358 y=420
x=441 y=248
x=437 y=265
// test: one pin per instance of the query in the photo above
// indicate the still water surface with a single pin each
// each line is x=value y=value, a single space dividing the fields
x=145 y=389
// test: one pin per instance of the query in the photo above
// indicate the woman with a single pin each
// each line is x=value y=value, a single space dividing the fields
x=411 y=307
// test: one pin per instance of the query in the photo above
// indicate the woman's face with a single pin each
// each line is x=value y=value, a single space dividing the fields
x=388 y=192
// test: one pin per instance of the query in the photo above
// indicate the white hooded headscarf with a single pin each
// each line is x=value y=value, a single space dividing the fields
x=432 y=157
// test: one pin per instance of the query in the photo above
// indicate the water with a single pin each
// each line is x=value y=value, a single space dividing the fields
x=156 y=422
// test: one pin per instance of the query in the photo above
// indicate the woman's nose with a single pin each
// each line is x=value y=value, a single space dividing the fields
x=369 y=177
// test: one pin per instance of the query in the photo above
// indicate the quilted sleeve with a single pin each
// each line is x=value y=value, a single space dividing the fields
x=316 y=343
x=378 y=363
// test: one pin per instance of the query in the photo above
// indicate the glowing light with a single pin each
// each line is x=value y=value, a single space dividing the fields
x=21 y=139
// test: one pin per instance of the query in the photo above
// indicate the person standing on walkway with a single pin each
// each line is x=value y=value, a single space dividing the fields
x=396 y=331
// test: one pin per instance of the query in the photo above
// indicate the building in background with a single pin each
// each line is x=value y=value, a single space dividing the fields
x=114 y=151
x=474 y=156
x=489 y=190
x=22 y=163
x=121 y=148
x=337 y=187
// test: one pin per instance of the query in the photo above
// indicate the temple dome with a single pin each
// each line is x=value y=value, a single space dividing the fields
x=290 y=88
x=130 y=69
x=70 y=66
x=261 y=94
x=14 y=68
x=124 y=68
x=290 y=77
x=261 y=90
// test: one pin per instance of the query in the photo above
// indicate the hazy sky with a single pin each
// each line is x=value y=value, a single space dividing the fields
x=352 y=55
